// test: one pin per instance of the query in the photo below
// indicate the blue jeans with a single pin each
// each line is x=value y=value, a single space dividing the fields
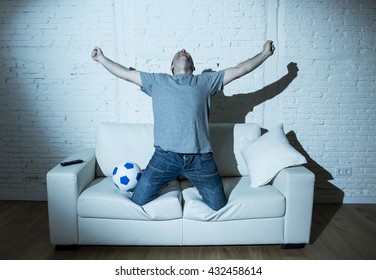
x=199 y=169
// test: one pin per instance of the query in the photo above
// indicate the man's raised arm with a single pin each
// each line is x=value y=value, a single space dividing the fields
x=116 y=69
x=249 y=65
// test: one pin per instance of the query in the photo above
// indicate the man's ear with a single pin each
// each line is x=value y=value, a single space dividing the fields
x=193 y=68
x=172 y=69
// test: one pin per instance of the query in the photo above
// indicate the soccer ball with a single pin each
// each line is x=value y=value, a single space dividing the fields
x=126 y=176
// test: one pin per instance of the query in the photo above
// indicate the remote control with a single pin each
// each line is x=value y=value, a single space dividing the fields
x=65 y=163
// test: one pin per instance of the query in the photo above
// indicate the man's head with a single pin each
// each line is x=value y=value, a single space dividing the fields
x=182 y=63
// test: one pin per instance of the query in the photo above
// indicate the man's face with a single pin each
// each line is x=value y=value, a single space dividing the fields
x=182 y=60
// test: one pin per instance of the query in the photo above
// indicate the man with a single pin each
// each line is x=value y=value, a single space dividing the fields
x=181 y=105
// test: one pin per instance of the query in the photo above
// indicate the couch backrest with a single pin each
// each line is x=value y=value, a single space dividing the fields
x=120 y=142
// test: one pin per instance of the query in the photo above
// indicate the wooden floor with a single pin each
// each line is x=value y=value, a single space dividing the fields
x=340 y=232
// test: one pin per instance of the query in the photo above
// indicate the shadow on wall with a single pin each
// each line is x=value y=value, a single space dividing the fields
x=222 y=106
x=322 y=176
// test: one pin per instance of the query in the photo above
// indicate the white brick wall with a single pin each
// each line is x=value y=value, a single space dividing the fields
x=53 y=95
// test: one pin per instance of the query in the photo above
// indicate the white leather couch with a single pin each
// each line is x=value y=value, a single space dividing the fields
x=86 y=208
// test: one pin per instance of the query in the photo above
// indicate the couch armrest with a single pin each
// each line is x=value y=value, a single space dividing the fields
x=64 y=185
x=297 y=185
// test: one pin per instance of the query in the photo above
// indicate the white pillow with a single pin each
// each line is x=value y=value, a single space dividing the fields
x=268 y=155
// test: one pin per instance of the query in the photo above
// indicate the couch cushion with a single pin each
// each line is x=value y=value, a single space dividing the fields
x=243 y=202
x=101 y=199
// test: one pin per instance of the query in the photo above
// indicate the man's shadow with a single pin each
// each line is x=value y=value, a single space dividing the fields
x=233 y=109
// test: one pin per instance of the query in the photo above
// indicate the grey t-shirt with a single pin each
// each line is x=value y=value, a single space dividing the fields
x=181 y=106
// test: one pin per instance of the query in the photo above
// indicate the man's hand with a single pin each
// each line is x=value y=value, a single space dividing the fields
x=97 y=54
x=268 y=48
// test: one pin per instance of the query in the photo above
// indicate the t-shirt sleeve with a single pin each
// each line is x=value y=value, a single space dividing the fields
x=147 y=80
x=216 y=81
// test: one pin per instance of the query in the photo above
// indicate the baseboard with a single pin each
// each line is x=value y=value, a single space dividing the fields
x=359 y=200
x=321 y=198
x=35 y=195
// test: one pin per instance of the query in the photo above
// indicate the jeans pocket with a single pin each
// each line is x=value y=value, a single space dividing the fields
x=206 y=156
